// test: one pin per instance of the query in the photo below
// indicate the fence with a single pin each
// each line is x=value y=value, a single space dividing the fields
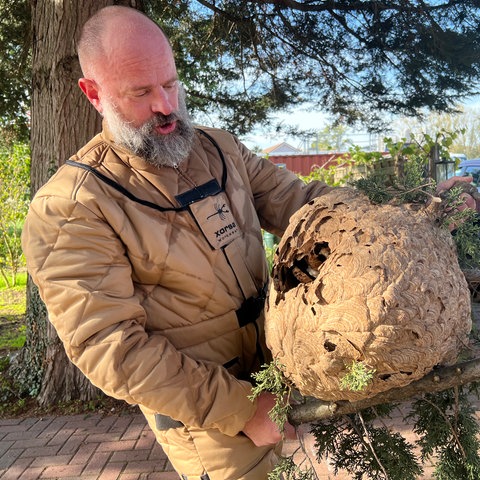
x=304 y=164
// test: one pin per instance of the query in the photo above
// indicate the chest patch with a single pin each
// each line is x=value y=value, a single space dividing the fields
x=215 y=218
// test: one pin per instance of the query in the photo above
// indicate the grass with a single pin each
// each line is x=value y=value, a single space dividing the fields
x=12 y=315
x=12 y=339
x=12 y=301
x=21 y=281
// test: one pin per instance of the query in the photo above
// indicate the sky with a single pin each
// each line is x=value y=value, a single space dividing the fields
x=304 y=120
x=301 y=118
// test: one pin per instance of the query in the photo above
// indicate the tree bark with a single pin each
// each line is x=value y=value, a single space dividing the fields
x=438 y=380
x=62 y=121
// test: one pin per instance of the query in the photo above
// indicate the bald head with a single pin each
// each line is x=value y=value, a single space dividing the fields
x=112 y=30
x=131 y=79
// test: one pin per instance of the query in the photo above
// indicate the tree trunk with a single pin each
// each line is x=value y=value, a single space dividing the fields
x=62 y=121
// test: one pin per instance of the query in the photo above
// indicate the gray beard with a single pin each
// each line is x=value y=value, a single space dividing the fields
x=159 y=150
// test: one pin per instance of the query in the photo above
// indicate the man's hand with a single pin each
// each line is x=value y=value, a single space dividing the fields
x=261 y=429
x=470 y=199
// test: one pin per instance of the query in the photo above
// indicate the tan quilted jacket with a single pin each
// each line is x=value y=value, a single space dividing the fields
x=143 y=288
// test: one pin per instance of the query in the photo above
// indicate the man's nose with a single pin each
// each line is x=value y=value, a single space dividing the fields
x=163 y=101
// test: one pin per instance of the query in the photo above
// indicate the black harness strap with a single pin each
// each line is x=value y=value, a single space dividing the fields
x=251 y=308
x=123 y=190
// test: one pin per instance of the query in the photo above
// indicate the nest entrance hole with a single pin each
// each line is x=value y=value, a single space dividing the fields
x=304 y=269
x=329 y=346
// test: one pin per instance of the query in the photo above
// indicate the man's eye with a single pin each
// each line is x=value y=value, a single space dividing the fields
x=171 y=86
x=140 y=93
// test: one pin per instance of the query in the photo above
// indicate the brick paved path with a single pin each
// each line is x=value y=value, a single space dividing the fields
x=90 y=447
x=94 y=447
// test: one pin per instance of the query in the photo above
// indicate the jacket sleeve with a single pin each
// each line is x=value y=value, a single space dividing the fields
x=85 y=280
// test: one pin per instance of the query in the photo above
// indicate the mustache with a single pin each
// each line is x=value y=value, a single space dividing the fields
x=159 y=120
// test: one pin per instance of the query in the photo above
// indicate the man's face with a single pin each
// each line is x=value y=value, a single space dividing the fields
x=164 y=140
x=135 y=88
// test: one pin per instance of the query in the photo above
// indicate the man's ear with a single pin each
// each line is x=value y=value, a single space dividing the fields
x=90 y=89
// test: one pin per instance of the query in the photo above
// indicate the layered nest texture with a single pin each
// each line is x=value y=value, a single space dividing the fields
x=357 y=283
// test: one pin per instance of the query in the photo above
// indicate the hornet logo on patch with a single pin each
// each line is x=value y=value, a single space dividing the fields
x=221 y=211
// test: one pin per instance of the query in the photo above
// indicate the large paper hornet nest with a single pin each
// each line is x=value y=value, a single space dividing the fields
x=357 y=282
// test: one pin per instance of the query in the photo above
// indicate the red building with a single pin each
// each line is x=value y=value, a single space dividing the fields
x=303 y=163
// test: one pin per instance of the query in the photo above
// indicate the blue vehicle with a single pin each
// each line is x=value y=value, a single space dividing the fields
x=470 y=168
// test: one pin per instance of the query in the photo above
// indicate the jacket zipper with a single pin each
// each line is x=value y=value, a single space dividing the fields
x=183 y=175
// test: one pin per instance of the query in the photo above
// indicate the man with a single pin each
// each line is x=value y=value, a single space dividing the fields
x=147 y=250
